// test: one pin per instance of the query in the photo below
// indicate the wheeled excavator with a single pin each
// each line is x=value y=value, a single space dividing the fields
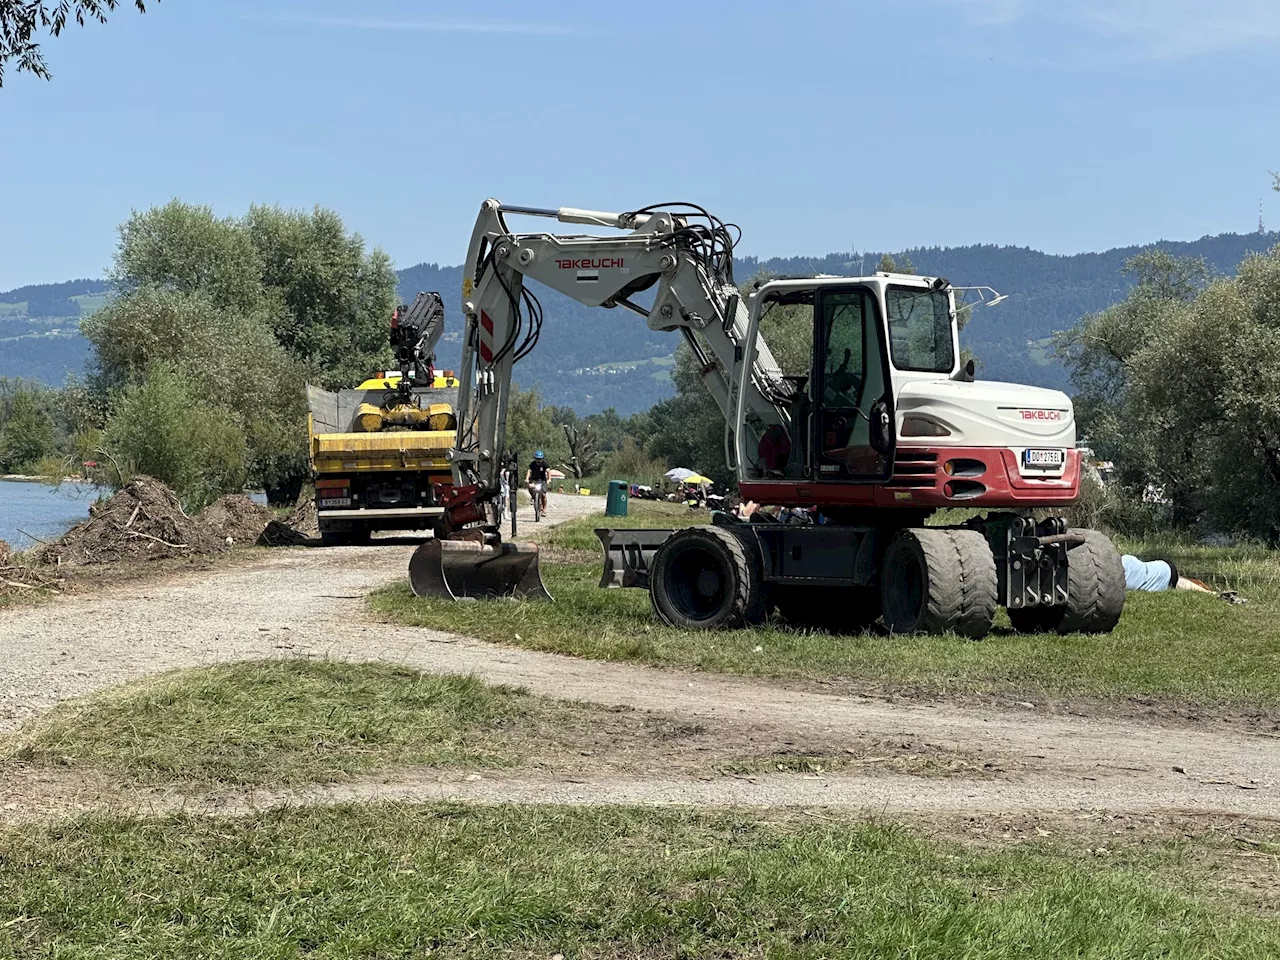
x=887 y=427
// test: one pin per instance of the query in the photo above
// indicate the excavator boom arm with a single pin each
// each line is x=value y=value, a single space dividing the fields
x=686 y=255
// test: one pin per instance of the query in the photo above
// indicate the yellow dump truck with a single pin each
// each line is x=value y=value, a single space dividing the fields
x=381 y=478
x=378 y=451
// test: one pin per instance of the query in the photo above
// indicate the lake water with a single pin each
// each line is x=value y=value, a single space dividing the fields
x=46 y=512
x=41 y=510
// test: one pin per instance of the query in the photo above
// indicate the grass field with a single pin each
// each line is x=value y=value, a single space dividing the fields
x=413 y=881
x=1173 y=648
x=283 y=722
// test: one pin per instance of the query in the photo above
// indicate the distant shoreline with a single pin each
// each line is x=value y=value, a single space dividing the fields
x=24 y=478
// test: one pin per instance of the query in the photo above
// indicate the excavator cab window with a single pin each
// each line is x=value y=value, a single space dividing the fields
x=920 y=334
x=850 y=363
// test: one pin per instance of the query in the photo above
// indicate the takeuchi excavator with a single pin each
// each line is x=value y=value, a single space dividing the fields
x=885 y=428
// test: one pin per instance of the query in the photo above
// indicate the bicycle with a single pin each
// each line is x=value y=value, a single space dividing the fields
x=538 y=494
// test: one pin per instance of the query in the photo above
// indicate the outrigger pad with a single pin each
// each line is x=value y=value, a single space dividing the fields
x=458 y=569
x=628 y=556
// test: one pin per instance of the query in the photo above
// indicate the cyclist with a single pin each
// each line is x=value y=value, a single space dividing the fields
x=536 y=480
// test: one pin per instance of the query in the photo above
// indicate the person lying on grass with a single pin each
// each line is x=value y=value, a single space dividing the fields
x=1155 y=576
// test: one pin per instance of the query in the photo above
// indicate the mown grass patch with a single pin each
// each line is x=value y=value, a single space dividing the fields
x=279 y=722
x=1177 y=647
x=413 y=881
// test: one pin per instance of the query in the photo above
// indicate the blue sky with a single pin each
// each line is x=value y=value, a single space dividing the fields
x=816 y=125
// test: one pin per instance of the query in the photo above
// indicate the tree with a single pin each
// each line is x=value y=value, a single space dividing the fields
x=326 y=300
x=584 y=460
x=530 y=428
x=162 y=428
x=688 y=429
x=27 y=434
x=21 y=19
x=186 y=248
x=889 y=265
x=337 y=299
x=1179 y=385
x=233 y=357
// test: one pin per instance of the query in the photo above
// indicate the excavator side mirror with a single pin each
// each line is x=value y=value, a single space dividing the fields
x=965 y=373
x=881 y=426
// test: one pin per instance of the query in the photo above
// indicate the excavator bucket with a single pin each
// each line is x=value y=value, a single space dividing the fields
x=458 y=569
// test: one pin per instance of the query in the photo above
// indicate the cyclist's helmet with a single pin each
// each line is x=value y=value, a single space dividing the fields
x=538 y=455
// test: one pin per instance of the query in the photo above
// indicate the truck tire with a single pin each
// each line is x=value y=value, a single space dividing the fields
x=705 y=578
x=837 y=610
x=1095 y=592
x=933 y=581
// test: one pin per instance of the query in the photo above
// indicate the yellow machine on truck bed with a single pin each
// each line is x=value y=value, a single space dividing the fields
x=378 y=451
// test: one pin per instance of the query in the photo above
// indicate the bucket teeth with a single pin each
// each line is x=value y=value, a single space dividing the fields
x=458 y=569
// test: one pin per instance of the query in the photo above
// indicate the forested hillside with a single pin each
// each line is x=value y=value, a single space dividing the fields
x=594 y=359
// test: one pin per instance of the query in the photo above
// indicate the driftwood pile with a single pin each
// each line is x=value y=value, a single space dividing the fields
x=142 y=521
x=20 y=577
x=298 y=526
x=236 y=518
x=145 y=521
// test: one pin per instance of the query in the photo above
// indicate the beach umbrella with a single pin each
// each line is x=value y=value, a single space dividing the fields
x=697 y=478
x=679 y=474
x=555 y=474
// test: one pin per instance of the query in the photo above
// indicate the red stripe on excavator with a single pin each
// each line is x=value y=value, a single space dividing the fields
x=487 y=322
x=1006 y=487
x=485 y=353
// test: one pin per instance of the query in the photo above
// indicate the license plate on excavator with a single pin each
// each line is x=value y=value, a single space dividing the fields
x=1044 y=459
x=332 y=502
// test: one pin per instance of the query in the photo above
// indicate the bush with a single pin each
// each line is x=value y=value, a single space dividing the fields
x=160 y=428
x=234 y=357
x=630 y=462
x=27 y=434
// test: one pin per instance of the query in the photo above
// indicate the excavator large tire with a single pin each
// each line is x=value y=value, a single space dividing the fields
x=1095 y=592
x=837 y=610
x=935 y=581
x=706 y=578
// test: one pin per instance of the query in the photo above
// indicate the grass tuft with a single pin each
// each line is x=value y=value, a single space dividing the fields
x=277 y=722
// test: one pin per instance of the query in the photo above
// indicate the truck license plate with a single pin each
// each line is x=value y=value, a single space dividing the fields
x=335 y=502
x=1044 y=459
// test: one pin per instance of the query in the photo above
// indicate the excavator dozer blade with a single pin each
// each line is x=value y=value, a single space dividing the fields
x=458 y=569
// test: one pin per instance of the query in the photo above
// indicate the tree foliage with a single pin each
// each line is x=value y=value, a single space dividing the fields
x=26 y=433
x=332 y=300
x=1179 y=385
x=21 y=20
x=162 y=427
x=186 y=248
x=530 y=428
x=230 y=358
x=325 y=298
x=244 y=310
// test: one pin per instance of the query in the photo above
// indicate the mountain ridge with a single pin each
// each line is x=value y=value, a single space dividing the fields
x=591 y=359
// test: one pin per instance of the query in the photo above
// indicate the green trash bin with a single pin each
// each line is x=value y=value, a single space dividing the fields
x=615 y=505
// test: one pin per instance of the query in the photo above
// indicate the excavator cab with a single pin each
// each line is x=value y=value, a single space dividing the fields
x=836 y=419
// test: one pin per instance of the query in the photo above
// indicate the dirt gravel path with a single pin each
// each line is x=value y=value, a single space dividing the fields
x=308 y=602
